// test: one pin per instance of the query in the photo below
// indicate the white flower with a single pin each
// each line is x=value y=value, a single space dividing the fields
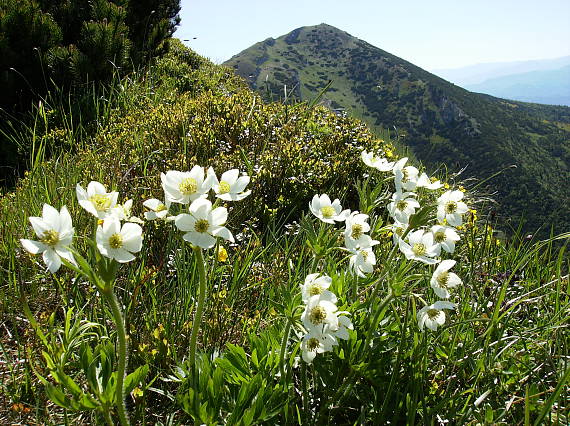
x=55 y=232
x=96 y=200
x=381 y=164
x=123 y=212
x=405 y=177
x=433 y=316
x=356 y=226
x=420 y=247
x=203 y=224
x=116 y=242
x=425 y=182
x=442 y=279
x=317 y=341
x=403 y=206
x=327 y=211
x=450 y=208
x=344 y=324
x=185 y=187
x=231 y=186
x=314 y=285
x=362 y=260
x=320 y=312
x=445 y=238
x=398 y=229
x=158 y=209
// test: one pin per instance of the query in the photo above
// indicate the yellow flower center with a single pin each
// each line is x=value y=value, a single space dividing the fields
x=364 y=254
x=317 y=315
x=188 y=186
x=419 y=249
x=405 y=176
x=224 y=187
x=313 y=344
x=50 y=237
x=450 y=207
x=399 y=231
x=160 y=208
x=432 y=313
x=356 y=231
x=439 y=237
x=101 y=202
x=116 y=241
x=443 y=278
x=327 y=211
x=315 y=289
x=201 y=225
x=401 y=205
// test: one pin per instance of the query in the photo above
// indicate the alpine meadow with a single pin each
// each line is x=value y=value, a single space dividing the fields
x=317 y=232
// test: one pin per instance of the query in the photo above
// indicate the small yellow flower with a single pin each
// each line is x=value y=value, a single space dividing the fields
x=446 y=185
x=222 y=254
x=461 y=188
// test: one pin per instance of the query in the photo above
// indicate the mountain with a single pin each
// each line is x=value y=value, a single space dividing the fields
x=475 y=74
x=439 y=121
x=546 y=87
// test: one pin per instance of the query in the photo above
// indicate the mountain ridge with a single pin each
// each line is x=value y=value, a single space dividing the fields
x=439 y=121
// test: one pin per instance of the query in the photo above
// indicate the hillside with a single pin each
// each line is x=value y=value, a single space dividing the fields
x=440 y=122
x=547 y=87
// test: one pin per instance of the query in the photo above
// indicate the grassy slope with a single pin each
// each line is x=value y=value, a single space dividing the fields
x=441 y=122
x=510 y=335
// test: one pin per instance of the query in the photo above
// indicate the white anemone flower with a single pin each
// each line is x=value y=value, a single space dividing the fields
x=231 y=186
x=450 y=208
x=344 y=324
x=424 y=181
x=96 y=200
x=317 y=285
x=433 y=316
x=157 y=209
x=317 y=341
x=55 y=232
x=445 y=237
x=381 y=164
x=362 y=259
x=403 y=206
x=405 y=177
x=123 y=212
x=327 y=211
x=442 y=279
x=420 y=247
x=185 y=187
x=119 y=242
x=204 y=224
x=320 y=312
x=398 y=229
x=356 y=227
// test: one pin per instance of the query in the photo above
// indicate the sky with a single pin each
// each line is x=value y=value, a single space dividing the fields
x=433 y=34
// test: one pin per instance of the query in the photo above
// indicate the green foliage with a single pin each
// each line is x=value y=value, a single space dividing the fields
x=439 y=121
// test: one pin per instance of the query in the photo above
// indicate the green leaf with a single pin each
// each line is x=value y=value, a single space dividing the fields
x=135 y=378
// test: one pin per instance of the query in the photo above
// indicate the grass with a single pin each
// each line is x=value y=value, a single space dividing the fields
x=501 y=358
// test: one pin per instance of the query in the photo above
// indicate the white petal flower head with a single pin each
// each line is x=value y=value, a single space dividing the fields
x=356 y=227
x=403 y=206
x=344 y=324
x=398 y=229
x=231 y=186
x=55 y=232
x=419 y=247
x=445 y=238
x=119 y=242
x=327 y=211
x=157 y=209
x=405 y=177
x=320 y=312
x=96 y=200
x=185 y=187
x=317 y=285
x=450 y=208
x=378 y=163
x=362 y=260
x=424 y=181
x=204 y=224
x=123 y=212
x=317 y=341
x=442 y=279
x=433 y=316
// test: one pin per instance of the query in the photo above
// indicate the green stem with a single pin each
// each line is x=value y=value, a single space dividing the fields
x=305 y=394
x=122 y=355
x=284 y=348
x=107 y=416
x=199 y=307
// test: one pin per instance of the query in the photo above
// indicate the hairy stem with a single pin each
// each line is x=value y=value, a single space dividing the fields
x=199 y=306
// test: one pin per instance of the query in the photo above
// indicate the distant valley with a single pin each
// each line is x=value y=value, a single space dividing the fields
x=439 y=121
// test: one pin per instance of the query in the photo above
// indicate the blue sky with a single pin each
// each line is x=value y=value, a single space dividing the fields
x=429 y=33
